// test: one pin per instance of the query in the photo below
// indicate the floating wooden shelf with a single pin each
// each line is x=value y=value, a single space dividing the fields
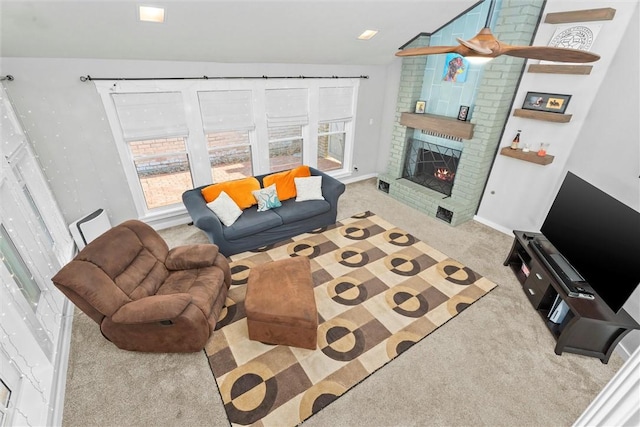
x=560 y=69
x=604 y=14
x=530 y=156
x=542 y=115
x=438 y=124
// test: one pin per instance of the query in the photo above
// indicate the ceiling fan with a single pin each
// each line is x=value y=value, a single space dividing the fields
x=486 y=45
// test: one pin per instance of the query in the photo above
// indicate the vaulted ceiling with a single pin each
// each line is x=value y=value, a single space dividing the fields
x=239 y=31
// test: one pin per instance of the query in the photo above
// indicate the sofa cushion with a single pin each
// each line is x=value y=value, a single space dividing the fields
x=267 y=198
x=239 y=190
x=292 y=211
x=225 y=209
x=309 y=188
x=284 y=182
x=252 y=222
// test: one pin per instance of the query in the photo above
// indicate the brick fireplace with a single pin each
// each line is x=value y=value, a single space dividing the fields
x=493 y=98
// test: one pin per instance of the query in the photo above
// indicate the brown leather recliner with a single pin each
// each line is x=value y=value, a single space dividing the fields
x=144 y=296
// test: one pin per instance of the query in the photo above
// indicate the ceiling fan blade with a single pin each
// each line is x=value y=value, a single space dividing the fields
x=474 y=46
x=426 y=50
x=547 y=53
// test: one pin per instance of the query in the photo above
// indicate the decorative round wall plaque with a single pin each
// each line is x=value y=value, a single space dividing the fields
x=575 y=37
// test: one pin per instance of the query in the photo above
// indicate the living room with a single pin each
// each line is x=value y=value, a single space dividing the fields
x=71 y=134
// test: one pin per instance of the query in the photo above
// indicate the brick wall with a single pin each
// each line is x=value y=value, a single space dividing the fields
x=515 y=25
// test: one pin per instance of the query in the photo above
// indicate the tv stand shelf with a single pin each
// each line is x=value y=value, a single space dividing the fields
x=589 y=328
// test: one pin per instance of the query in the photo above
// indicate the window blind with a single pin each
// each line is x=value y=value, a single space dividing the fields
x=336 y=103
x=226 y=110
x=287 y=107
x=151 y=115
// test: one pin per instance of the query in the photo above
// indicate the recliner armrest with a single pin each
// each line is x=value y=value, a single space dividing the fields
x=152 y=309
x=191 y=256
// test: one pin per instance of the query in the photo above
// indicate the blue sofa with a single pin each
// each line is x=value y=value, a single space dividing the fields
x=255 y=229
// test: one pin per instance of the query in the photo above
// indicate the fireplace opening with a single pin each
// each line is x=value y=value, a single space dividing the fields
x=431 y=165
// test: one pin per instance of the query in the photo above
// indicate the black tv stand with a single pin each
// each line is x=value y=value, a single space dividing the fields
x=585 y=326
x=573 y=283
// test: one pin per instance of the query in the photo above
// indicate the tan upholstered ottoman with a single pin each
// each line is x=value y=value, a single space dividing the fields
x=280 y=305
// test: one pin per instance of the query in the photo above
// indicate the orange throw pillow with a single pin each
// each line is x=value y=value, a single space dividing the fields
x=240 y=190
x=285 y=185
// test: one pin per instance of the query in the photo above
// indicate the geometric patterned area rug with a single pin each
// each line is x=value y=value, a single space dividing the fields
x=378 y=291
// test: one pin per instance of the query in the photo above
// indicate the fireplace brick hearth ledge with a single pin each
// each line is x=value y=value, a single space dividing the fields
x=494 y=95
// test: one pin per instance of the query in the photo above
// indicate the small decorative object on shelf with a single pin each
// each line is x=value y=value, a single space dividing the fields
x=543 y=149
x=516 y=141
x=420 y=107
x=463 y=113
x=525 y=149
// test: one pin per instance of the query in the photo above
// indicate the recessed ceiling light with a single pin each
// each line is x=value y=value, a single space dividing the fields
x=151 y=14
x=367 y=34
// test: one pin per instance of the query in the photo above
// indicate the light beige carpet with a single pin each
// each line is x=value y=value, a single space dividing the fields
x=378 y=291
x=494 y=365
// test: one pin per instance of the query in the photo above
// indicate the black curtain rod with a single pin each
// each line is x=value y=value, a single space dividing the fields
x=89 y=78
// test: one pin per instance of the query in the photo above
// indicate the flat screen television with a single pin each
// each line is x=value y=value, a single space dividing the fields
x=599 y=236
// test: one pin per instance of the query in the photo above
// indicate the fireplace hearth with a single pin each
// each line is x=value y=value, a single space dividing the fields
x=431 y=165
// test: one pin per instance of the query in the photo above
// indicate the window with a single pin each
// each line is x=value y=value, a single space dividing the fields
x=5 y=397
x=331 y=143
x=162 y=166
x=34 y=243
x=227 y=119
x=174 y=135
x=229 y=155
x=285 y=147
x=155 y=130
x=335 y=114
x=12 y=259
x=44 y=230
x=287 y=114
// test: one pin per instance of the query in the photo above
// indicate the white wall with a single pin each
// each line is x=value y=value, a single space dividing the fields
x=66 y=123
x=394 y=70
x=601 y=143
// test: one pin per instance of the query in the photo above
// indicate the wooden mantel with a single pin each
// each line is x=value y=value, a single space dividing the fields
x=438 y=124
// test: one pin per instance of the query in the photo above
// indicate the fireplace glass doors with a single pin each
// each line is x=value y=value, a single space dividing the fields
x=431 y=165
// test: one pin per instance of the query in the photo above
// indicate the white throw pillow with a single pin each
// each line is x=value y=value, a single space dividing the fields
x=225 y=208
x=267 y=198
x=309 y=188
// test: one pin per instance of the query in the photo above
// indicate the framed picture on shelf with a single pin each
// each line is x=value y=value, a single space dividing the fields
x=463 y=113
x=549 y=102
x=420 y=107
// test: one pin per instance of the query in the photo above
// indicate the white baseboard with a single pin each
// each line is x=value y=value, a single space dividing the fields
x=353 y=179
x=169 y=220
x=493 y=225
